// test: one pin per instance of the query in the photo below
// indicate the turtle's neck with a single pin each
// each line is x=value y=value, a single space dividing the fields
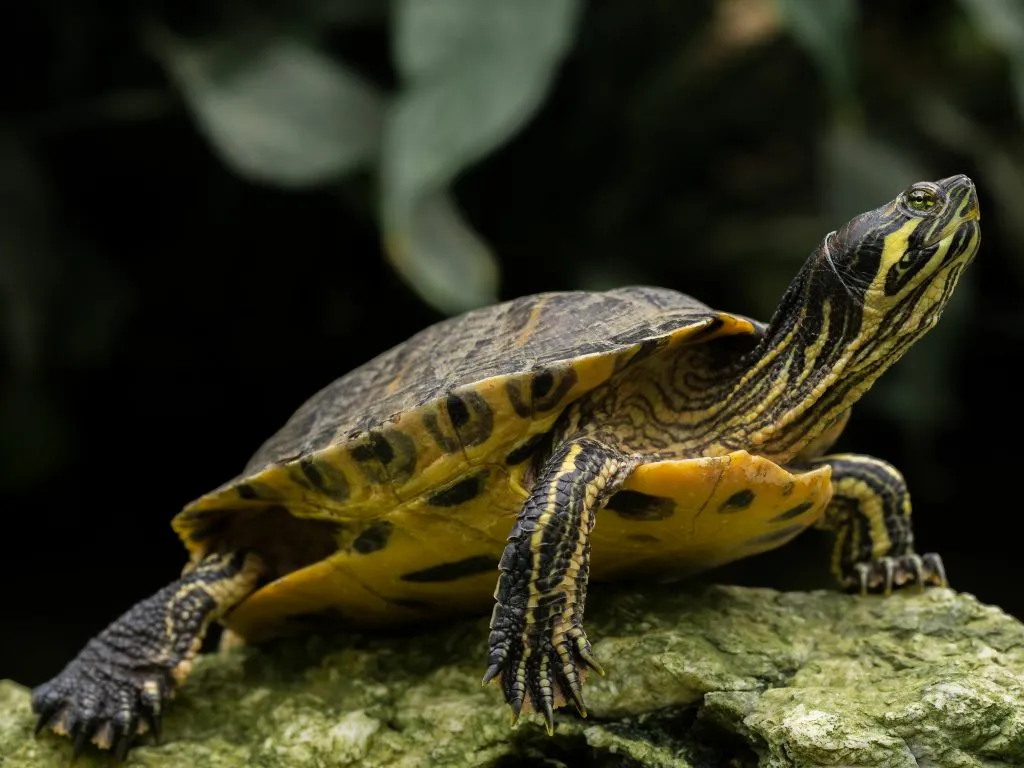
x=774 y=400
x=843 y=321
x=810 y=366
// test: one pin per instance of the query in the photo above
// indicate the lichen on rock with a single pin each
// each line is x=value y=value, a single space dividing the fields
x=719 y=676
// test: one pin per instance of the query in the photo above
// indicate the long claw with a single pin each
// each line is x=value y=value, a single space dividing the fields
x=864 y=574
x=83 y=731
x=121 y=749
x=934 y=562
x=917 y=569
x=515 y=707
x=125 y=734
x=889 y=568
x=549 y=717
x=492 y=672
x=577 y=699
x=542 y=693
x=572 y=685
x=583 y=649
x=156 y=726
x=45 y=717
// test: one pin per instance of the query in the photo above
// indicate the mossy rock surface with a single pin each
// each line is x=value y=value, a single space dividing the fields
x=721 y=676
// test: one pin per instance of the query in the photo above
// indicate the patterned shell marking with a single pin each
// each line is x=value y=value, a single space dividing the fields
x=465 y=391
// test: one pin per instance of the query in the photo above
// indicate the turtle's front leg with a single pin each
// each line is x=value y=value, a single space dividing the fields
x=538 y=650
x=870 y=515
x=117 y=685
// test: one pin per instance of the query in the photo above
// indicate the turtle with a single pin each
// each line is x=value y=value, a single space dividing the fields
x=500 y=459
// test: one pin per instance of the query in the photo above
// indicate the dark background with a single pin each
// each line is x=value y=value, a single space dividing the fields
x=164 y=309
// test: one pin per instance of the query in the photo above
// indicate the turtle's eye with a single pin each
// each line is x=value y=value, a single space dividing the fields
x=921 y=199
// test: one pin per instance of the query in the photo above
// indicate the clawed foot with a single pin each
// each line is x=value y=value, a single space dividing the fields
x=545 y=674
x=883 y=574
x=118 y=684
x=537 y=650
x=103 y=703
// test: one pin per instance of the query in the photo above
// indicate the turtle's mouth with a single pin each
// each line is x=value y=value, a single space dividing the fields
x=962 y=243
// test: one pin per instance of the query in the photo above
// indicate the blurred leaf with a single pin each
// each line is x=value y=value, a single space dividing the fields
x=440 y=254
x=280 y=112
x=825 y=29
x=1001 y=22
x=474 y=72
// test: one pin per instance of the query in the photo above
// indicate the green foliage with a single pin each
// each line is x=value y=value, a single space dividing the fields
x=506 y=147
x=471 y=74
x=474 y=72
x=279 y=110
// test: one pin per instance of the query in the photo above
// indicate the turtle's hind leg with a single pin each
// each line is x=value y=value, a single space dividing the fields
x=870 y=516
x=117 y=685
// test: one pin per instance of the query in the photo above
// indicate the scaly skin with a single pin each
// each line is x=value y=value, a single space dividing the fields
x=870 y=516
x=537 y=647
x=117 y=686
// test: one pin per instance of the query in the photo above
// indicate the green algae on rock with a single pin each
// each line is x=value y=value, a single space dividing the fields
x=724 y=676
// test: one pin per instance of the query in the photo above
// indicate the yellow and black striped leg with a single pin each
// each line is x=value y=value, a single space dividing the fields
x=538 y=650
x=870 y=515
x=118 y=684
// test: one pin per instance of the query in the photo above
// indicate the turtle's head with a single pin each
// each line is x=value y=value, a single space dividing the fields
x=866 y=294
x=900 y=262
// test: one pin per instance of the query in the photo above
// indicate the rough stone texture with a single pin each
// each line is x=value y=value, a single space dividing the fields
x=724 y=676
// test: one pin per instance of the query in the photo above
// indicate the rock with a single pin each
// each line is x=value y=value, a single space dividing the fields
x=723 y=676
